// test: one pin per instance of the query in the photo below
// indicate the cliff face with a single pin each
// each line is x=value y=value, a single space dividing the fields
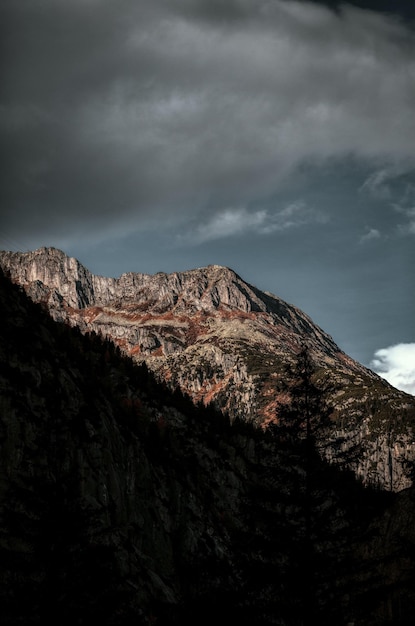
x=221 y=340
x=121 y=502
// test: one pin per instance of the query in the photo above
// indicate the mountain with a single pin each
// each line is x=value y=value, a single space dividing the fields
x=222 y=341
x=121 y=502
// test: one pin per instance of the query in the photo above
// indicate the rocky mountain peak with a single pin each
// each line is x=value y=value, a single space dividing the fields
x=204 y=288
x=220 y=340
x=53 y=269
x=49 y=275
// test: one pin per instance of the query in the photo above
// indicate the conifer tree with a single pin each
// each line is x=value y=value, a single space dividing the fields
x=295 y=430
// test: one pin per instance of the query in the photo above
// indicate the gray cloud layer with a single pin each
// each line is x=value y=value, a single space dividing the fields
x=172 y=109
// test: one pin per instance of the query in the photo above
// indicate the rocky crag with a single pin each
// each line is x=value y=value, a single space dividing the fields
x=220 y=340
x=123 y=503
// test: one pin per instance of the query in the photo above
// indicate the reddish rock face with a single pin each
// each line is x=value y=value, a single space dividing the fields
x=222 y=340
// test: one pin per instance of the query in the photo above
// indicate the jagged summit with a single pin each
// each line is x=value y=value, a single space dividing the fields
x=223 y=341
x=203 y=289
x=211 y=285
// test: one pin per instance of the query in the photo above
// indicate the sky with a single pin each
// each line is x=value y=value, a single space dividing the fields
x=275 y=137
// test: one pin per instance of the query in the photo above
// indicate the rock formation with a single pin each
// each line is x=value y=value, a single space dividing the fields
x=223 y=341
x=123 y=503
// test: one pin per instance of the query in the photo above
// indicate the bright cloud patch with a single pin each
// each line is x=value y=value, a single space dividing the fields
x=370 y=235
x=238 y=221
x=397 y=365
x=229 y=223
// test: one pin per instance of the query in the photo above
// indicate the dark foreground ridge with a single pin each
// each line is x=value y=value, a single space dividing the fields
x=123 y=503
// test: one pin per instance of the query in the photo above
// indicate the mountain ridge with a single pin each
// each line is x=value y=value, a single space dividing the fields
x=36 y=266
x=219 y=339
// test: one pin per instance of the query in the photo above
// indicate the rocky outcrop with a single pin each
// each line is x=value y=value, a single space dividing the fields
x=223 y=341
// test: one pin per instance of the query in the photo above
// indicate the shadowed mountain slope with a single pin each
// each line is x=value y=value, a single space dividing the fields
x=121 y=502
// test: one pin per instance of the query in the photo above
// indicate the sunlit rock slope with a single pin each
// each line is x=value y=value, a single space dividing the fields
x=221 y=340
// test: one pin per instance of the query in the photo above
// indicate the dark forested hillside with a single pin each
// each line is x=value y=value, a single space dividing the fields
x=121 y=502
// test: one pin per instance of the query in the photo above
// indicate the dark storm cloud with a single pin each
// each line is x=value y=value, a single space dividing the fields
x=169 y=109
